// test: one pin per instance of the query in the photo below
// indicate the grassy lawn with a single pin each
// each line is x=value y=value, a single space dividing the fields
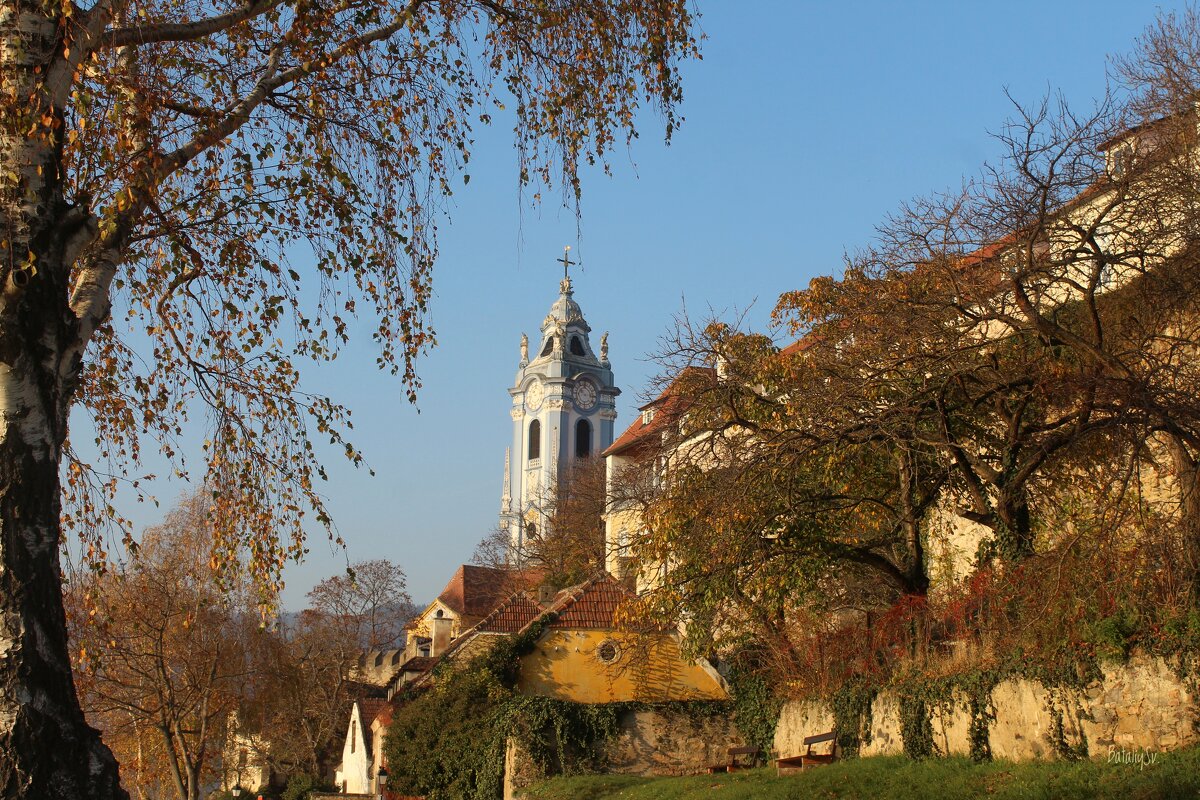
x=1171 y=776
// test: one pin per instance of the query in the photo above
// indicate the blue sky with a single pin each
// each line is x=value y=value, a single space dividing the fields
x=806 y=123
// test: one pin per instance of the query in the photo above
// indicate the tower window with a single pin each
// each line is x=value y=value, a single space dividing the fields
x=577 y=346
x=548 y=347
x=530 y=532
x=535 y=440
x=583 y=439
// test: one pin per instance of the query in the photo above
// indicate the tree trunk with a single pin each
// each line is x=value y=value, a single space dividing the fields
x=46 y=747
x=914 y=546
x=47 y=750
x=1187 y=480
x=1013 y=528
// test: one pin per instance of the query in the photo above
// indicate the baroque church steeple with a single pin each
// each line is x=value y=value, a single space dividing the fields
x=563 y=411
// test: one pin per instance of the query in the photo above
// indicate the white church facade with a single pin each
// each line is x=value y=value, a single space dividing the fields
x=563 y=412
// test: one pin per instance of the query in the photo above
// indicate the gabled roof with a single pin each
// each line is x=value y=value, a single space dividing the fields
x=474 y=590
x=511 y=616
x=370 y=706
x=668 y=407
x=385 y=715
x=591 y=604
x=368 y=709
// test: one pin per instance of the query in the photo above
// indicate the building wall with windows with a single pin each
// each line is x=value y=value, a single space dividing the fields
x=563 y=411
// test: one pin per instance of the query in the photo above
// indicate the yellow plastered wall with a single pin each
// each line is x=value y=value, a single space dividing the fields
x=570 y=665
x=420 y=626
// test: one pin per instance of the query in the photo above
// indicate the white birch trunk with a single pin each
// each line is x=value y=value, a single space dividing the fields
x=46 y=748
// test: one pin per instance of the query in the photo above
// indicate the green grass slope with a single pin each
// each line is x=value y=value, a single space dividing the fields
x=1170 y=776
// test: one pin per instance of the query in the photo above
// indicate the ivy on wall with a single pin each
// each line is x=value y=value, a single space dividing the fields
x=977 y=687
x=851 y=706
x=916 y=726
x=448 y=742
x=756 y=707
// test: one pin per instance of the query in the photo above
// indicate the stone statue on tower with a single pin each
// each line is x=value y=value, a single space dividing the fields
x=563 y=411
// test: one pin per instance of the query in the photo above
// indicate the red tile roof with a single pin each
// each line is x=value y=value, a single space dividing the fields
x=385 y=715
x=591 y=604
x=512 y=615
x=367 y=711
x=475 y=591
x=419 y=664
x=806 y=342
x=668 y=406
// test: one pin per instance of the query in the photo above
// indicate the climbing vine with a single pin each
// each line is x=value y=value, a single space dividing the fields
x=977 y=688
x=918 y=700
x=756 y=707
x=561 y=736
x=1056 y=704
x=852 y=717
x=449 y=741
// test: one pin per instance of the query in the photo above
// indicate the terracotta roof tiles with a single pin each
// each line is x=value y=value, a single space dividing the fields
x=367 y=711
x=474 y=591
x=385 y=715
x=419 y=664
x=592 y=604
x=512 y=615
x=668 y=406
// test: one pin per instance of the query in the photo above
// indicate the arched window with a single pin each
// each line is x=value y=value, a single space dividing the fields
x=577 y=346
x=583 y=439
x=548 y=347
x=530 y=532
x=535 y=440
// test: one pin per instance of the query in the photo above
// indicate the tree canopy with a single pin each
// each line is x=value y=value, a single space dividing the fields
x=1010 y=363
x=197 y=198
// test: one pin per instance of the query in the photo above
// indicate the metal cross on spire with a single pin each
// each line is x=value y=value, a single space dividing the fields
x=567 y=262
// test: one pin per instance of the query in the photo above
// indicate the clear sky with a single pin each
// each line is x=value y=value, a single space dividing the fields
x=806 y=123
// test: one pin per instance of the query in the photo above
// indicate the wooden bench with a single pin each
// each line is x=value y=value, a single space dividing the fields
x=733 y=766
x=794 y=764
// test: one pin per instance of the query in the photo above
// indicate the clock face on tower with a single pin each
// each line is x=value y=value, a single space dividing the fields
x=534 y=394
x=585 y=395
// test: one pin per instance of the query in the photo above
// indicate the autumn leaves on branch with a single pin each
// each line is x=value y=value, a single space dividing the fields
x=1018 y=355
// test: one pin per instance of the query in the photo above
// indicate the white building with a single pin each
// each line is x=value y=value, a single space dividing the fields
x=563 y=411
x=357 y=772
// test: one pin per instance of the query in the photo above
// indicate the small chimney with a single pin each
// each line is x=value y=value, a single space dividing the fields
x=412 y=645
x=545 y=595
x=439 y=632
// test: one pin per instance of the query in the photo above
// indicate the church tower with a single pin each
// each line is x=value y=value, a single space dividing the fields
x=563 y=411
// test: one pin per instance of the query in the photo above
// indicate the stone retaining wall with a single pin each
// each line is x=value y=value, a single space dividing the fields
x=1139 y=705
x=670 y=743
x=649 y=742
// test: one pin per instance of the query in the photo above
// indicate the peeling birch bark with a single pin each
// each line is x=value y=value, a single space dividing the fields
x=46 y=747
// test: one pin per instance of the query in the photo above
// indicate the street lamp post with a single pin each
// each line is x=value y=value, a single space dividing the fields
x=237 y=789
x=381 y=777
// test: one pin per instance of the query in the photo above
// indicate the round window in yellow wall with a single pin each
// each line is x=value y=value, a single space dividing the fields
x=608 y=651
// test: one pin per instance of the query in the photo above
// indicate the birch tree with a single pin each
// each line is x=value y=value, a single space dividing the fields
x=233 y=182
